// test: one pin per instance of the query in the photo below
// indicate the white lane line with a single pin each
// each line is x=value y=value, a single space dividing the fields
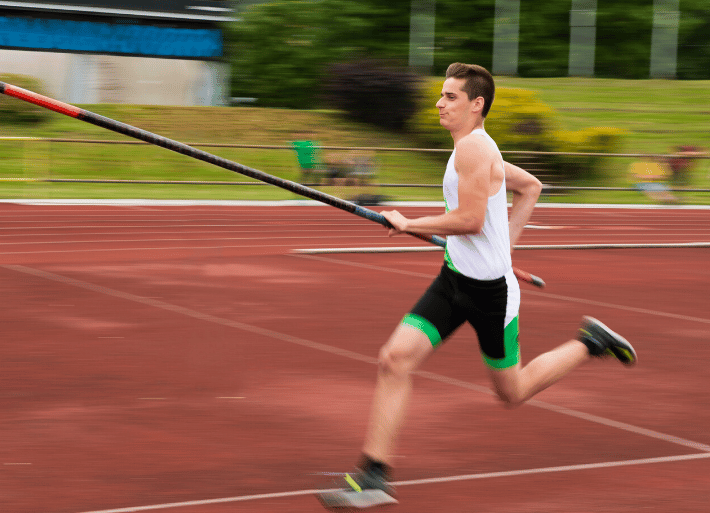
x=434 y=480
x=623 y=426
x=604 y=304
x=548 y=295
x=620 y=425
x=546 y=470
x=384 y=249
x=343 y=352
x=179 y=229
x=157 y=248
x=166 y=239
x=192 y=313
x=422 y=249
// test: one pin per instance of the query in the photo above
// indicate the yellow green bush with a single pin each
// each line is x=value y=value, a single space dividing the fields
x=520 y=121
x=18 y=112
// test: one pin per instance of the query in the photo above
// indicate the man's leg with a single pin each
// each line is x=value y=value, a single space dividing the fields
x=405 y=351
x=517 y=384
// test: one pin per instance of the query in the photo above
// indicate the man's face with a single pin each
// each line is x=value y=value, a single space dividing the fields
x=455 y=109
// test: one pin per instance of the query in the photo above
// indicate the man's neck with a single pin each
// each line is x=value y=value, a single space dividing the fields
x=465 y=131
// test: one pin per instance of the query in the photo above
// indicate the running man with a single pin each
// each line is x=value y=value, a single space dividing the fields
x=476 y=284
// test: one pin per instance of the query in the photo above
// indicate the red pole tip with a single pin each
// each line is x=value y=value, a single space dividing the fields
x=42 y=101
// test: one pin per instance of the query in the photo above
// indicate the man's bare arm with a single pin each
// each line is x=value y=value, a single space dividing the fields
x=473 y=162
x=526 y=190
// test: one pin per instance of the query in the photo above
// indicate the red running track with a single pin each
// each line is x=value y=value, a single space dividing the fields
x=183 y=359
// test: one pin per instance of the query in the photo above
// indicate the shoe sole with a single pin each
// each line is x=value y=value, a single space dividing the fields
x=342 y=500
x=622 y=350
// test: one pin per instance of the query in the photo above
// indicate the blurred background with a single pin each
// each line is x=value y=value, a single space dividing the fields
x=604 y=101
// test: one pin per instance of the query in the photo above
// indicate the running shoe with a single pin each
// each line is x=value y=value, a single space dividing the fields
x=361 y=490
x=601 y=341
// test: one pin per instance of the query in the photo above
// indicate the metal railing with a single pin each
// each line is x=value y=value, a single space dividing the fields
x=514 y=156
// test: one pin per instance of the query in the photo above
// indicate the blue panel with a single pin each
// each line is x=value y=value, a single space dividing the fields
x=87 y=36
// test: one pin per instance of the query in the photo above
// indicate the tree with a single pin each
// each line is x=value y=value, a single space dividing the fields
x=694 y=41
x=623 y=48
x=464 y=33
x=280 y=50
x=544 y=38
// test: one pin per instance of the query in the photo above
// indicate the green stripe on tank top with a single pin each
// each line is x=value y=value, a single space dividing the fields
x=447 y=257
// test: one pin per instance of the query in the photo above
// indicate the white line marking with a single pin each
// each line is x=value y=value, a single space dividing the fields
x=620 y=425
x=366 y=266
x=346 y=353
x=659 y=245
x=422 y=249
x=546 y=470
x=387 y=249
x=449 y=479
x=167 y=239
x=163 y=248
x=194 y=314
x=208 y=501
x=572 y=413
x=618 y=307
x=526 y=291
x=547 y=227
x=366 y=359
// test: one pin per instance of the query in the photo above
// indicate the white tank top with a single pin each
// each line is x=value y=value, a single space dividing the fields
x=485 y=256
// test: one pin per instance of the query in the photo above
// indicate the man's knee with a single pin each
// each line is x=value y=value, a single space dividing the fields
x=406 y=350
x=398 y=361
x=510 y=398
x=508 y=387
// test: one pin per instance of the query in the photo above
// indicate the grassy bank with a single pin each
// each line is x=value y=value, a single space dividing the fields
x=656 y=115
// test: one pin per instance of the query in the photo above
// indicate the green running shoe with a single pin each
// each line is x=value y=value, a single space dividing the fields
x=601 y=341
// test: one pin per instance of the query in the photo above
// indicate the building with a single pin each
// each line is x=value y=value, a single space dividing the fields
x=155 y=52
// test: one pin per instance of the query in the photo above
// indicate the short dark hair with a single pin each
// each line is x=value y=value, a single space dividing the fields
x=479 y=82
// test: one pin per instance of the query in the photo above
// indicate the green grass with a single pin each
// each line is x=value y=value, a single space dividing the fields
x=655 y=114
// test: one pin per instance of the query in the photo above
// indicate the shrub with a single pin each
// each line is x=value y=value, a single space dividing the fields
x=373 y=92
x=519 y=121
x=18 y=112
x=587 y=140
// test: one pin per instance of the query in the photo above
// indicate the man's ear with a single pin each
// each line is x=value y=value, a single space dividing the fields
x=477 y=104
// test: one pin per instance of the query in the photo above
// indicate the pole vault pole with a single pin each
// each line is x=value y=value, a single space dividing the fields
x=184 y=149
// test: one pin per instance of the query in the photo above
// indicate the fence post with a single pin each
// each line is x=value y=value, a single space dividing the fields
x=506 y=33
x=582 y=37
x=664 y=39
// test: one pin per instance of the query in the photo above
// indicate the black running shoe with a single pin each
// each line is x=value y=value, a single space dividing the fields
x=601 y=341
x=362 y=490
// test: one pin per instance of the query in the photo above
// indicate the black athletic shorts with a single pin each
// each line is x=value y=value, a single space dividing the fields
x=453 y=299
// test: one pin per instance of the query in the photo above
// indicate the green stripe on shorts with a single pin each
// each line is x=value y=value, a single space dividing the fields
x=512 y=348
x=420 y=323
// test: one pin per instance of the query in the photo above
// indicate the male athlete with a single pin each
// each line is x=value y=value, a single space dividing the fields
x=476 y=284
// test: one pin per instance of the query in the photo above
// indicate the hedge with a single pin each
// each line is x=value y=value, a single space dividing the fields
x=519 y=121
